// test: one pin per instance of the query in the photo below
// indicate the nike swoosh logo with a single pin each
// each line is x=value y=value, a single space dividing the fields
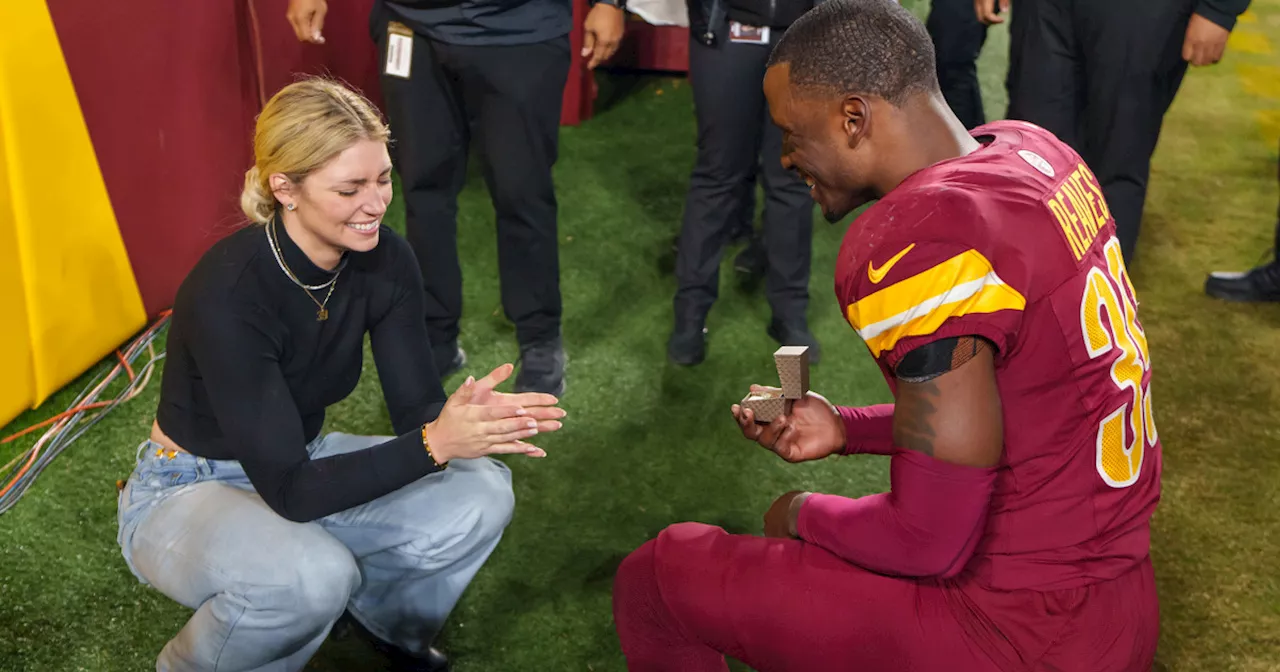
x=877 y=274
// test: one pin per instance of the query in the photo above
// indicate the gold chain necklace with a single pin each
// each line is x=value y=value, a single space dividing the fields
x=323 y=313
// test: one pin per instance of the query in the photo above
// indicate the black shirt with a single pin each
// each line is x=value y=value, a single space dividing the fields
x=771 y=13
x=487 y=22
x=250 y=369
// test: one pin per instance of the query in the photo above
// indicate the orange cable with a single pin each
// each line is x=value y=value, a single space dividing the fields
x=164 y=314
x=96 y=390
x=34 y=452
x=60 y=416
x=128 y=369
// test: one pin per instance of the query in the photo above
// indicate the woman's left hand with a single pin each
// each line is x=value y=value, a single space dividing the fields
x=539 y=406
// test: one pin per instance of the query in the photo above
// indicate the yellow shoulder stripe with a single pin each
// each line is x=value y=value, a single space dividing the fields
x=965 y=284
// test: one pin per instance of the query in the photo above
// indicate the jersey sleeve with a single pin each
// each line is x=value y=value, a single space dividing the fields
x=936 y=280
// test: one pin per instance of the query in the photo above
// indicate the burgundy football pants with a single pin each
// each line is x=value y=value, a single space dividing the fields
x=695 y=594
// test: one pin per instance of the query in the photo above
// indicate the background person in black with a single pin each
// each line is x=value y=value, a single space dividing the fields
x=958 y=37
x=498 y=68
x=1100 y=75
x=730 y=41
x=239 y=508
x=1260 y=283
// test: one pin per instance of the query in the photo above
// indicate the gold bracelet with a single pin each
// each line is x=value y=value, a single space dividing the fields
x=427 y=445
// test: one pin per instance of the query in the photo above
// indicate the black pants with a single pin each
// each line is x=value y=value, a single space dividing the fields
x=511 y=97
x=958 y=37
x=1100 y=74
x=737 y=137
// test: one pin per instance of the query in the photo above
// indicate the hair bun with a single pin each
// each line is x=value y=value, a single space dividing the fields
x=256 y=201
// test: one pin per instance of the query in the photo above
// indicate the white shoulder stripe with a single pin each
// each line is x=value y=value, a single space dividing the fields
x=954 y=294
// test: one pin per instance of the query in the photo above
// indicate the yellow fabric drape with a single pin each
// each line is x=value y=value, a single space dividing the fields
x=68 y=296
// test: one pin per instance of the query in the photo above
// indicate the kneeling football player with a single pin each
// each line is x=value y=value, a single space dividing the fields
x=987 y=283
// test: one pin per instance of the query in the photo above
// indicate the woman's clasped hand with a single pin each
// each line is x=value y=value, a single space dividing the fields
x=477 y=420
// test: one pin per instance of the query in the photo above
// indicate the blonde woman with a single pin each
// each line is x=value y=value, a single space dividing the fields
x=239 y=507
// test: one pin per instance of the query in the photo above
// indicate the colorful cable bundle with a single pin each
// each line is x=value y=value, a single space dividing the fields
x=20 y=473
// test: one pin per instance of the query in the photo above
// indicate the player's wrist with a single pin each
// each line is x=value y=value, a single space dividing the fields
x=842 y=432
x=867 y=429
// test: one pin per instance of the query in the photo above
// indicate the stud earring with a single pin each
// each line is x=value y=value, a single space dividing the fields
x=290 y=207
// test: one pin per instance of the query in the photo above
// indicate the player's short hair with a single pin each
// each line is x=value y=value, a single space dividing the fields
x=874 y=47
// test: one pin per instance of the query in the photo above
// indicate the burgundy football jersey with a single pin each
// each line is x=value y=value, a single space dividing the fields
x=1015 y=243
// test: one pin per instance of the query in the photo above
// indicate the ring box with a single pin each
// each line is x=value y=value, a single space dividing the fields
x=792 y=362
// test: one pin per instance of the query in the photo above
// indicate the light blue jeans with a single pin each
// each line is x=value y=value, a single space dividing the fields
x=266 y=591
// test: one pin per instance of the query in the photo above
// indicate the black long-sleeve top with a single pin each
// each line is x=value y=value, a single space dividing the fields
x=1222 y=12
x=250 y=370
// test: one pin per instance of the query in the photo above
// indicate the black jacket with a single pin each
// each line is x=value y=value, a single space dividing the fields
x=1222 y=12
x=703 y=14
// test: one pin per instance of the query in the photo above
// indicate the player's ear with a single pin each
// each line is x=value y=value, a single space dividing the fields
x=855 y=112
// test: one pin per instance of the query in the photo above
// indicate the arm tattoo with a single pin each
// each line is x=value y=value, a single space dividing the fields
x=934 y=359
x=913 y=418
x=914 y=412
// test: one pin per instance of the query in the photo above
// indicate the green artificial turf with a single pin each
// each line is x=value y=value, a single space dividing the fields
x=647 y=443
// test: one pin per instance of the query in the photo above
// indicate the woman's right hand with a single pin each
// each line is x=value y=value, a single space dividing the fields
x=473 y=423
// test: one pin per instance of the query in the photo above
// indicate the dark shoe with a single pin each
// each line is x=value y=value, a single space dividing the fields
x=449 y=360
x=795 y=334
x=401 y=661
x=432 y=661
x=688 y=343
x=1262 y=283
x=542 y=368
